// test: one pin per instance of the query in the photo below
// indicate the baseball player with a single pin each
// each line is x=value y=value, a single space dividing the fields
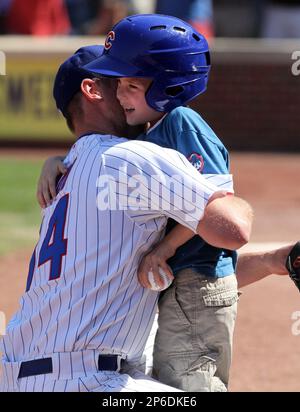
x=209 y=351
x=84 y=316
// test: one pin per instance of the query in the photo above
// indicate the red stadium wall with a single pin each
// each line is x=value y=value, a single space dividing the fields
x=252 y=101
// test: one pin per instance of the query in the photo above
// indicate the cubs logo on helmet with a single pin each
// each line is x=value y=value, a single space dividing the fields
x=197 y=161
x=109 y=39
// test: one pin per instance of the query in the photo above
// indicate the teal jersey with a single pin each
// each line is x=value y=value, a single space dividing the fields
x=185 y=131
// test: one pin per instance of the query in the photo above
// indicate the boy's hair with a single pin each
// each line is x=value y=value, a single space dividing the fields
x=163 y=48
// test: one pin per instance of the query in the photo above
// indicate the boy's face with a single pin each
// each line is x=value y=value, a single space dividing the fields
x=131 y=95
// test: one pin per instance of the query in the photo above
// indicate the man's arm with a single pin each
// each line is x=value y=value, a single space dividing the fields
x=255 y=266
x=226 y=222
x=179 y=191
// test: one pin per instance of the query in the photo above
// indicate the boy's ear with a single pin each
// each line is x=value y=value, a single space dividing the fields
x=91 y=90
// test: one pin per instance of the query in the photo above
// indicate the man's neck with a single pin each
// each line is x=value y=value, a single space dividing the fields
x=78 y=135
x=96 y=129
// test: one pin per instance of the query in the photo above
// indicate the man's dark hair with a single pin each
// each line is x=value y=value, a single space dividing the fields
x=74 y=109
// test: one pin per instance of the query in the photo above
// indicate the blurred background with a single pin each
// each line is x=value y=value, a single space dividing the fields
x=252 y=103
x=252 y=98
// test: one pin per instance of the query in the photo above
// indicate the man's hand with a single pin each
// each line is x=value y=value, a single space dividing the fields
x=152 y=261
x=46 y=190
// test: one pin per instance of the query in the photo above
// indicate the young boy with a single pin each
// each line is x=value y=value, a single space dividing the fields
x=163 y=63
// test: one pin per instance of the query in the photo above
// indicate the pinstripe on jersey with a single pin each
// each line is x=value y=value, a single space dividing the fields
x=96 y=301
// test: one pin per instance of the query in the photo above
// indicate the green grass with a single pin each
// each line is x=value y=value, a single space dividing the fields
x=19 y=212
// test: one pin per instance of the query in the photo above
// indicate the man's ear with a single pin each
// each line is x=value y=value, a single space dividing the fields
x=91 y=90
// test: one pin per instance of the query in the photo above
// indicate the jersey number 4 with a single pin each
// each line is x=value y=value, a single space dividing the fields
x=54 y=246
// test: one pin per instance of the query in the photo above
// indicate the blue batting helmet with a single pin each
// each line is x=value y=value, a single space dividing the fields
x=163 y=48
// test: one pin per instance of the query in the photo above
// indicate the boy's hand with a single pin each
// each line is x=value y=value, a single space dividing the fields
x=152 y=261
x=46 y=190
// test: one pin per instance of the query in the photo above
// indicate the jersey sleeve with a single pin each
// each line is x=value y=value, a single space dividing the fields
x=187 y=132
x=149 y=182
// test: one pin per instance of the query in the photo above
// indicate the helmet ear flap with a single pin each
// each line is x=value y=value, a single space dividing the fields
x=174 y=91
x=165 y=94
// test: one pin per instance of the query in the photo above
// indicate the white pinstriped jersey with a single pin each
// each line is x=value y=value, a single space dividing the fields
x=82 y=291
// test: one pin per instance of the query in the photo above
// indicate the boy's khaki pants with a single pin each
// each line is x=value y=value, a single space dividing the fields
x=193 y=344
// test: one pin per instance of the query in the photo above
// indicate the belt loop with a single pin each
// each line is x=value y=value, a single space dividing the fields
x=119 y=360
x=66 y=365
x=108 y=362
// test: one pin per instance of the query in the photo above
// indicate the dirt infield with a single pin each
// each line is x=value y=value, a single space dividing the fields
x=266 y=353
x=271 y=184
